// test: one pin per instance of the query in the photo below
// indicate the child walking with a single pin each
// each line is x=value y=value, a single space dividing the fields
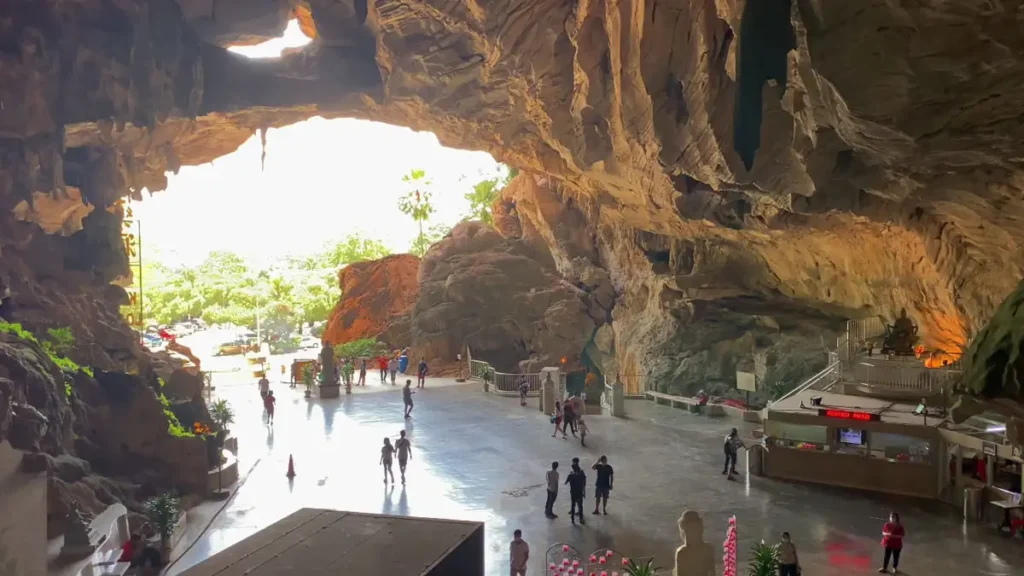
x=582 y=427
x=268 y=403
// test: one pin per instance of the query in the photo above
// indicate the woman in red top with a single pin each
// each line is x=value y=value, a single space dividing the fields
x=382 y=363
x=892 y=541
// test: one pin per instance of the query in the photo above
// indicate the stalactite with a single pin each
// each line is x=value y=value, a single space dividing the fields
x=263 y=148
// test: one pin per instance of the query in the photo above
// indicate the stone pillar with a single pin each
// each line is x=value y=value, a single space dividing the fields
x=613 y=400
x=549 y=389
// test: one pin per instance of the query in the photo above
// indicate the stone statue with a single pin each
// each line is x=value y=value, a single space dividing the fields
x=329 y=373
x=695 y=557
x=901 y=336
x=77 y=539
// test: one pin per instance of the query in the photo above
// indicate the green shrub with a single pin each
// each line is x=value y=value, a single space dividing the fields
x=61 y=340
x=222 y=414
x=365 y=347
x=174 y=427
x=164 y=511
x=764 y=560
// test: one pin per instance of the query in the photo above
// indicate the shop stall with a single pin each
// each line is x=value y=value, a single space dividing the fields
x=854 y=442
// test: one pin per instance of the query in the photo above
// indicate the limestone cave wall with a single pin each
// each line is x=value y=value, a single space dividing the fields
x=720 y=177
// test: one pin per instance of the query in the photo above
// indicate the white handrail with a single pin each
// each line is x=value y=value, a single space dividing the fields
x=830 y=374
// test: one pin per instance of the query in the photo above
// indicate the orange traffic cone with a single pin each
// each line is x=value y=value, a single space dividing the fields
x=291 y=467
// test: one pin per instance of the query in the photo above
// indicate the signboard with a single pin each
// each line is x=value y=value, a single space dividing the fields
x=988 y=448
x=746 y=381
x=849 y=415
x=131 y=239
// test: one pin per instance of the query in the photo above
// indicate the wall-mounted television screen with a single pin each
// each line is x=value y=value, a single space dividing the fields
x=851 y=436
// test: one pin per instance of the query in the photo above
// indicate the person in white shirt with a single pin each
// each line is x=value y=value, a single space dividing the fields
x=519 y=554
x=552 y=480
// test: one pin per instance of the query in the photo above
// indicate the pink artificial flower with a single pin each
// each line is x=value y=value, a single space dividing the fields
x=603 y=560
x=553 y=566
x=565 y=547
x=625 y=561
x=593 y=559
x=575 y=563
x=609 y=553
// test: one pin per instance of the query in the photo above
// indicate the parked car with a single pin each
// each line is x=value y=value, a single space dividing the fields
x=309 y=343
x=233 y=347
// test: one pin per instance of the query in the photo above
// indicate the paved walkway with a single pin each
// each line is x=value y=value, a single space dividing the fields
x=481 y=457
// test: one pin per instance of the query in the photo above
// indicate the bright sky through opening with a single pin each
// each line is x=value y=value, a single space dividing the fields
x=323 y=180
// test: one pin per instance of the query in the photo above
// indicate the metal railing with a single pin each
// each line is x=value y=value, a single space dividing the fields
x=509 y=383
x=821 y=381
x=901 y=375
x=477 y=369
x=858 y=332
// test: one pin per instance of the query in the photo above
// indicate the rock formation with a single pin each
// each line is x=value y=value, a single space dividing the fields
x=732 y=176
x=376 y=299
x=502 y=297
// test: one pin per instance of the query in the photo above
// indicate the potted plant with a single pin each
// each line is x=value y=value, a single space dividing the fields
x=488 y=377
x=308 y=379
x=164 y=511
x=223 y=416
x=765 y=560
x=646 y=569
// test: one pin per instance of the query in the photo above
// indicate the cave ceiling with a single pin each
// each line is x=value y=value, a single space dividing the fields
x=844 y=158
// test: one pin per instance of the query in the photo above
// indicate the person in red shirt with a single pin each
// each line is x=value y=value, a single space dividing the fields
x=137 y=554
x=269 y=403
x=382 y=363
x=892 y=541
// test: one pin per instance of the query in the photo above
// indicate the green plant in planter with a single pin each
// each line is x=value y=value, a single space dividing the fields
x=163 y=511
x=764 y=560
x=222 y=414
x=646 y=569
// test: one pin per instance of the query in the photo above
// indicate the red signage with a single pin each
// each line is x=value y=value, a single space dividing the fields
x=849 y=415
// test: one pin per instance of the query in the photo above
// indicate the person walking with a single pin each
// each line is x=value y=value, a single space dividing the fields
x=552 y=480
x=603 y=485
x=582 y=427
x=386 y=453
x=568 y=418
x=393 y=369
x=382 y=363
x=577 y=482
x=421 y=374
x=524 y=389
x=519 y=554
x=404 y=448
x=789 y=562
x=732 y=447
x=268 y=404
x=407 y=398
x=556 y=419
x=892 y=541
x=264 y=385
x=362 y=371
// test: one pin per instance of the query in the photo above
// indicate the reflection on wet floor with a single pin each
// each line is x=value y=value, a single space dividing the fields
x=477 y=457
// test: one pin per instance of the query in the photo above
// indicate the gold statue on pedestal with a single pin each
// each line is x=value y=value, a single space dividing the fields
x=901 y=336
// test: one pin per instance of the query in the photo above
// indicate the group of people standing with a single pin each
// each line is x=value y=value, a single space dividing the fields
x=577 y=481
x=568 y=416
x=392 y=366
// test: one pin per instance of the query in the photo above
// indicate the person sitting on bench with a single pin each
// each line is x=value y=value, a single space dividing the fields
x=137 y=553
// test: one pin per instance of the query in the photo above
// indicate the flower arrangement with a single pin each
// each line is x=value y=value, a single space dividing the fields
x=729 y=546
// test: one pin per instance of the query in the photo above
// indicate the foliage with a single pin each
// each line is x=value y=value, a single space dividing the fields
x=222 y=413
x=174 y=427
x=285 y=344
x=363 y=348
x=59 y=343
x=416 y=204
x=163 y=511
x=225 y=289
x=485 y=192
x=646 y=569
x=61 y=340
x=764 y=560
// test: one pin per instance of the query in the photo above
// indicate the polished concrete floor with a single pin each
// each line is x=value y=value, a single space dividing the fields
x=480 y=457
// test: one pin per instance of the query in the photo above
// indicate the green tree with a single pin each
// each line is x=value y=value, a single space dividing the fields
x=485 y=192
x=416 y=204
x=353 y=249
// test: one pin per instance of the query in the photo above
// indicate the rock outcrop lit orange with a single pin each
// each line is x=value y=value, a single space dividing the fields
x=376 y=298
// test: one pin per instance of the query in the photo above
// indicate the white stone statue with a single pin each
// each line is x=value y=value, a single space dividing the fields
x=695 y=557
